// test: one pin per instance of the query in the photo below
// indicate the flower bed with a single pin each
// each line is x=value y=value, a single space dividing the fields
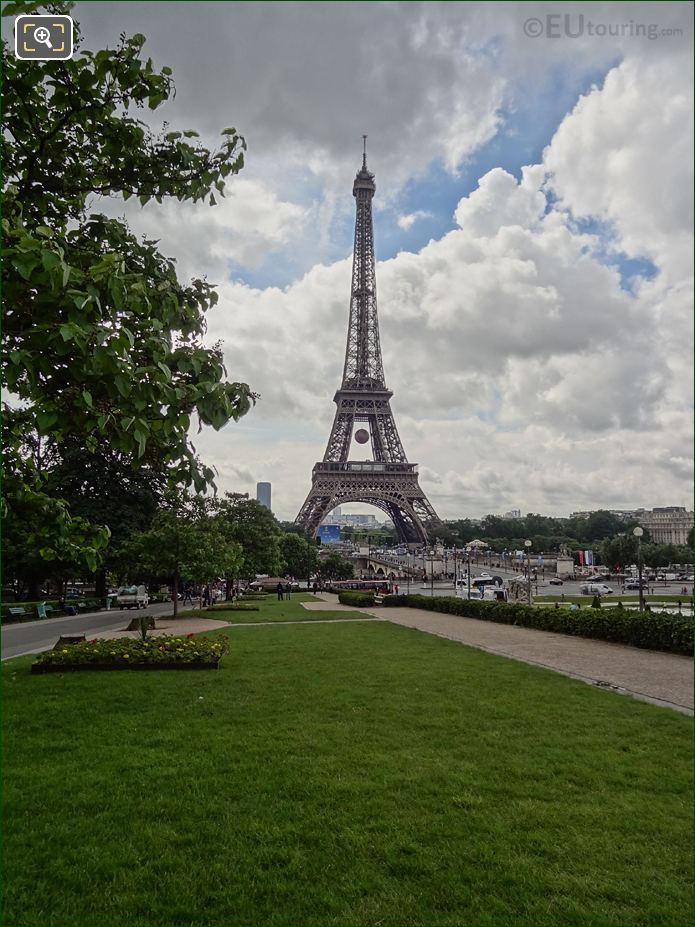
x=672 y=633
x=125 y=653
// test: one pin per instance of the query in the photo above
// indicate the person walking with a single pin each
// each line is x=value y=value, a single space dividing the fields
x=288 y=590
x=188 y=596
x=206 y=596
x=279 y=590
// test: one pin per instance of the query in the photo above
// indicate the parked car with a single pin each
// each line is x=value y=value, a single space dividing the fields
x=595 y=589
x=555 y=581
x=634 y=584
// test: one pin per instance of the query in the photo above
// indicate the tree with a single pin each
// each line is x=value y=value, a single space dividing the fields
x=102 y=342
x=603 y=524
x=335 y=567
x=183 y=542
x=251 y=525
x=300 y=556
x=104 y=488
x=620 y=551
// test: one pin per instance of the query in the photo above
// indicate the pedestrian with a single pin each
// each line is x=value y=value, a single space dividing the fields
x=288 y=590
x=395 y=588
x=187 y=596
x=279 y=589
x=206 y=596
x=315 y=587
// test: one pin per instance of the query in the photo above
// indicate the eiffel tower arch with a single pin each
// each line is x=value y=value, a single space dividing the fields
x=388 y=481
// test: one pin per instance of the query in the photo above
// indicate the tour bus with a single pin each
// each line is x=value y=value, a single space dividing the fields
x=485 y=587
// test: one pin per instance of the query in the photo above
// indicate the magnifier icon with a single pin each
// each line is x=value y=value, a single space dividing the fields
x=43 y=35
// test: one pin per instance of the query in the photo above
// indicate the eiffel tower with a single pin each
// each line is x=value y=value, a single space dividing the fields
x=388 y=481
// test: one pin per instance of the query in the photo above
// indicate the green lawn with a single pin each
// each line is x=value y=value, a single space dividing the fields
x=342 y=774
x=273 y=610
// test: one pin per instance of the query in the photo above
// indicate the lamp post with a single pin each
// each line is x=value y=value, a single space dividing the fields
x=527 y=545
x=468 y=552
x=407 y=570
x=638 y=532
x=431 y=573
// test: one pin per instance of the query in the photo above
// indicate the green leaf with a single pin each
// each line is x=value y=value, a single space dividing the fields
x=87 y=396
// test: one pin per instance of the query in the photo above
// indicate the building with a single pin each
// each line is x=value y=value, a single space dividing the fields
x=625 y=514
x=356 y=519
x=263 y=494
x=668 y=524
x=512 y=513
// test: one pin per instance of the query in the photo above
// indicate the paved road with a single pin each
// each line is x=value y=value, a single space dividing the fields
x=36 y=636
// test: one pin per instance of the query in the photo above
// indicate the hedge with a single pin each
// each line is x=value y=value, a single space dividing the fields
x=651 y=630
x=354 y=597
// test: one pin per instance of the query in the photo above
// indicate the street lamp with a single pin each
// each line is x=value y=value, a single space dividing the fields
x=527 y=545
x=638 y=532
x=468 y=553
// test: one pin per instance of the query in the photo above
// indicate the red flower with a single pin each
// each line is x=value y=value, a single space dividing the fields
x=190 y=635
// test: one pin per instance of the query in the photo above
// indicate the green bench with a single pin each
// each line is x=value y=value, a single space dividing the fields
x=45 y=611
x=16 y=612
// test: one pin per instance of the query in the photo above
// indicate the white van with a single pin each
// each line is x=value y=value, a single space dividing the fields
x=595 y=589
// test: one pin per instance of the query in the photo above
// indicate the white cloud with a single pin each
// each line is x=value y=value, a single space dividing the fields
x=523 y=375
x=246 y=226
x=409 y=219
x=621 y=157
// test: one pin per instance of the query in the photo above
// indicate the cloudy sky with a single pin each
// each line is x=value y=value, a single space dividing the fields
x=533 y=236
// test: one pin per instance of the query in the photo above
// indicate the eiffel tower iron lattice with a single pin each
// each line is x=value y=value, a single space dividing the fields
x=388 y=481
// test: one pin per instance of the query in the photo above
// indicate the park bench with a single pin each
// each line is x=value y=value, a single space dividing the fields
x=44 y=611
x=16 y=612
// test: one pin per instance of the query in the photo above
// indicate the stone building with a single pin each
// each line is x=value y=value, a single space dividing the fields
x=669 y=524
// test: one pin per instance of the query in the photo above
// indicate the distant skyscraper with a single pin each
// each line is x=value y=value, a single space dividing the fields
x=336 y=511
x=263 y=494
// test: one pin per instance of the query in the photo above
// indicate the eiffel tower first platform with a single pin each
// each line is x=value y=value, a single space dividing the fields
x=388 y=481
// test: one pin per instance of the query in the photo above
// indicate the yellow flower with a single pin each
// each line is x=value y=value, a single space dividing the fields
x=126 y=656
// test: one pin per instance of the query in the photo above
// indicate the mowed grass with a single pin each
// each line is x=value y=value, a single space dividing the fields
x=272 y=609
x=356 y=773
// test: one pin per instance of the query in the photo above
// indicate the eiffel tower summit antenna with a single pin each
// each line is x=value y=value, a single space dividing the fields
x=388 y=481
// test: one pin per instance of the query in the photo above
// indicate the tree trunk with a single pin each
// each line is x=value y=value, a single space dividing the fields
x=100 y=583
x=228 y=587
x=176 y=593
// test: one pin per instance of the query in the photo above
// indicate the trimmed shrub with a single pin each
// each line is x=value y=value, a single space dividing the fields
x=655 y=631
x=357 y=598
x=596 y=602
